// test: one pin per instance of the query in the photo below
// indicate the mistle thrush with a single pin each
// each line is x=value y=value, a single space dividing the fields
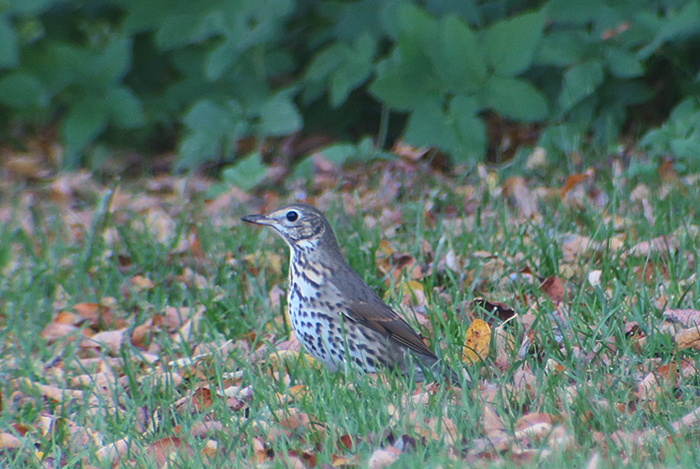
x=332 y=310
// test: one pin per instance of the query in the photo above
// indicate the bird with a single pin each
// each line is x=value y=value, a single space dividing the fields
x=337 y=317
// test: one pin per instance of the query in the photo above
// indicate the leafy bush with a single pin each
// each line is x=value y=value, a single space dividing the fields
x=217 y=71
x=679 y=136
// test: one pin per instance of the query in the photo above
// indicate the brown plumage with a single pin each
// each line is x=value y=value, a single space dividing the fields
x=333 y=312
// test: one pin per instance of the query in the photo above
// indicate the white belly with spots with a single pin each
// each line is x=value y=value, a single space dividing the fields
x=314 y=324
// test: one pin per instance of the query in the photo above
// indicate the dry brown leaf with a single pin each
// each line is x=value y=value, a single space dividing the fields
x=201 y=399
x=293 y=461
x=594 y=461
x=662 y=245
x=113 y=452
x=189 y=327
x=57 y=394
x=344 y=461
x=688 y=338
x=494 y=429
x=169 y=450
x=493 y=269
x=259 y=451
x=28 y=165
x=209 y=450
x=383 y=458
x=504 y=346
x=101 y=381
x=528 y=420
x=292 y=419
x=573 y=246
x=54 y=331
x=575 y=180
x=93 y=313
x=525 y=199
x=109 y=340
x=594 y=278
x=686 y=317
x=192 y=279
x=412 y=294
x=141 y=283
x=66 y=317
x=409 y=152
x=554 y=287
x=271 y=261
x=9 y=441
x=142 y=333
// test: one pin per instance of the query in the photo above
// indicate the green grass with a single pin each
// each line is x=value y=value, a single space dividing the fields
x=49 y=265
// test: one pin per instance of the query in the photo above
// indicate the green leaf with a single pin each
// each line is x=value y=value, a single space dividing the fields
x=458 y=132
x=563 y=48
x=470 y=131
x=9 y=50
x=279 y=115
x=304 y=169
x=580 y=81
x=607 y=125
x=206 y=116
x=397 y=87
x=564 y=138
x=338 y=153
x=577 y=12
x=21 y=90
x=418 y=34
x=354 y=70
x=197 y=148
x=676 y=27
x=680 y=134
x=220 y=60
x=427 y=126
x=246 y=173
x=30 y=7
x=515 y=99
x=326 y=62
x=114 y=62
x=125 y=108
x=621 y=63
x=511 y=43
x=210 y=128
x=686 y=113
x=86 y=120
x=686 y=148
x=458 y=60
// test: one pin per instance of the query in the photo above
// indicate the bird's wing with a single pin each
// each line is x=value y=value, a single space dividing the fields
x=366 y=308
x=379 y=317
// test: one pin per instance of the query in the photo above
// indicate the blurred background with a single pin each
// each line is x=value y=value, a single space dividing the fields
x=232 y=87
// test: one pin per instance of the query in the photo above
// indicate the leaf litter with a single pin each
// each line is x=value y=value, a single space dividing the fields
x=516 y=339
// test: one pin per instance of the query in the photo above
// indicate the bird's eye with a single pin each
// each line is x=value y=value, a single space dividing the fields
x=292 y=215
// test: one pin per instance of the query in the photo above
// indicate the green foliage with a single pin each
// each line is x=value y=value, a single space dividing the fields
x=246 y=173
x=679 y=136
x=215 y=72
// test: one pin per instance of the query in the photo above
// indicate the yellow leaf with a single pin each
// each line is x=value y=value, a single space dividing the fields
x=477 y=342
x=290 y=355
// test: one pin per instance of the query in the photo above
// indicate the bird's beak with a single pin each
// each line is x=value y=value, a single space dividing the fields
x=258 y=219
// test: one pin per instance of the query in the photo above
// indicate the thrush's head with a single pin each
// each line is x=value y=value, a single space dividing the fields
x=300 y=225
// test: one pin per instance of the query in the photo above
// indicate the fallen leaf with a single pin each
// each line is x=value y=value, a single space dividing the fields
x=383 y=458
x=686 y=317
x=477 y=341
x=554 y=288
